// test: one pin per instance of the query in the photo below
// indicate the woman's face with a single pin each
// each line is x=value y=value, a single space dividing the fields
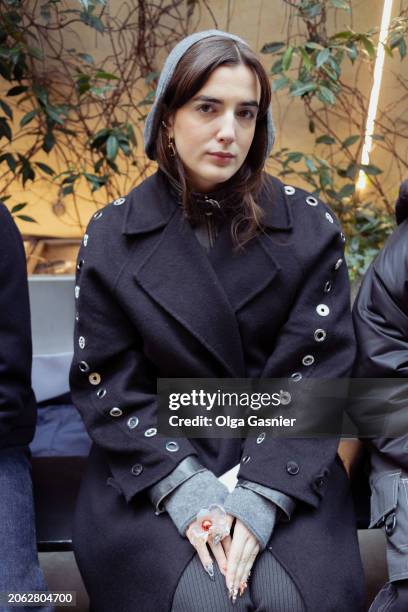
x=220 y=118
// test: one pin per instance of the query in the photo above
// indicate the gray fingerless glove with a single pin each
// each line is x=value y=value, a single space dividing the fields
x=199 y=491
x=256 y=512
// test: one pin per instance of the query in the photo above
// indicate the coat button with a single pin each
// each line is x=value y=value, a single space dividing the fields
x=322 y=310
x=94 y=378
x=292 y=468
x=115 y=412
x=84 y=367
x=172 y=446
x=308 y=360
x=312 y=201
x=150 y=432
x=133 y=422
x=246 y=459
x=289 y=189
x=137 y=469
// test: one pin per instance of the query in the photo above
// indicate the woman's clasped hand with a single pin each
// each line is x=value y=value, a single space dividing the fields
x=235 y=554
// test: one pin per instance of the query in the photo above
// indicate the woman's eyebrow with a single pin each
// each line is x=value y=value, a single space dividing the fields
x=217 y=101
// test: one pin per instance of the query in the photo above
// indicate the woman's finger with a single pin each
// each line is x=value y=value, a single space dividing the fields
x=226 y=542
x=247 y=567
x=220 y=556
x=238 y=543
x=203 y=553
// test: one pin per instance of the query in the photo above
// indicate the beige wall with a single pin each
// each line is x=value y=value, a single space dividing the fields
x=258 y=21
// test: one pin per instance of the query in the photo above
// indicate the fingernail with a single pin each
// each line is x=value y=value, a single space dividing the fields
x=209 y=568
x=230 y=592
x=217 y=540
x=242 y=588
x=234 y=595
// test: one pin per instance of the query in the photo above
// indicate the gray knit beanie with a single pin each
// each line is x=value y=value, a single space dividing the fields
x=153 y=118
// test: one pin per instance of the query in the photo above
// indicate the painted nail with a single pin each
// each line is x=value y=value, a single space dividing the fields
x=209 y=568
x=234 y=595
x=230 y=592
x=216 y=540
x=243 y=585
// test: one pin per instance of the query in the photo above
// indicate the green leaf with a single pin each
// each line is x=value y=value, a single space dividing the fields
x=310 y=165
x=347 y=191
x=28 y=173
x=273 y=47
x=303 y=88
x=86 y=58
x=92 y=21
x=312 y=11
x=307 y=62
x=294 y=156
x=368 y=45
x=350 y=141
x=54 y=115
x=6 y=109
x=5 y=129
x=322 y=57
x=371 y=170
x=326 y=95
x=26 y=218
x=106 y=75
x=67 y=190
x=18 y=207
x=280 y=83
x=49 y=141
x=112 y=147
x=402 y=47
x=312 y=45
x=341 y=4
x=151 y=76
x=287 y=58
x=277 y=67
x=45 y=168
x=17 y=90
x=28 y=117
x=377 y=137
x=11 y=162
x=325 y=139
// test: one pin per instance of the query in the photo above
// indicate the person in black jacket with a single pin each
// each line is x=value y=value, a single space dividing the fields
x=211 y=268
x=380 y=316
x=19 y=566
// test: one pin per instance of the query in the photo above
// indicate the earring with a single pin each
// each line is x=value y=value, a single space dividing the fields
x=170 y=142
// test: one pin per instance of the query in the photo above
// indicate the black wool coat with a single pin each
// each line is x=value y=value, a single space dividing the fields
x=17 y=402
x=152 y=303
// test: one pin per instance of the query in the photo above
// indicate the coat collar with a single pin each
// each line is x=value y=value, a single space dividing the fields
x=151 y=205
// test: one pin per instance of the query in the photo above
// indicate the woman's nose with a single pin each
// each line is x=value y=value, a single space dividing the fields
x=226 y=130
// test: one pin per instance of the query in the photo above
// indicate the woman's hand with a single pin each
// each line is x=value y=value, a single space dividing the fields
x=219 y=550
x=241 y=555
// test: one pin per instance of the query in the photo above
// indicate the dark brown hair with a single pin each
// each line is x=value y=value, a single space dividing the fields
x=190 y=75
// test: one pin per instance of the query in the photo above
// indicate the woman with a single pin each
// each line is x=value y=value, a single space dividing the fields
x=210 y=269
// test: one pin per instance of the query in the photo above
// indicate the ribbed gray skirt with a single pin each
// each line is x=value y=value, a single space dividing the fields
x=270 y=589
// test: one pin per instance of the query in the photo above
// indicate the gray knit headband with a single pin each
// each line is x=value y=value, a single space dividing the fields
x=154 y=117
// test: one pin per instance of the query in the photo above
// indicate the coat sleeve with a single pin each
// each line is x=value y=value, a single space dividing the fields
x=380 y=316
x=316 y=341
x=17 y=403
x=113 y=384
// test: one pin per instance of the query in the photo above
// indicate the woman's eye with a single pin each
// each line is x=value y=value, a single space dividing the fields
x=204 y=108
x=250 y=114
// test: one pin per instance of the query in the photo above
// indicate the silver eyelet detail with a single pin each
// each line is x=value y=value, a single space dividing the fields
x=322 y=310
x=150 y=432
x=115 y=412
x=94 y=378
x=133 y=422
x=338 y=264
x=329 y=217
x=85 y=241
x=261 y=438
x=101 y=393
x=76 y=292
x=289 y=190
x=320 y=335
x=312 y=201
x=80 y=264
x=296 y=376
x=77 y=316
x=98 y=214
x=84 y=367
x=172 y=447
x=119 y=201
x=342 y=237
x=285 y=397
x=81 y=342
x=246 y=459
x=308 y=360
x=327 y=287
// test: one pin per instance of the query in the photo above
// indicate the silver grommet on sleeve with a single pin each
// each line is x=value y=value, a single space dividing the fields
x=308 y=360
x=292 y=468
x=94 y=378
x=285 y=397
x=119 y=201
x=322 y=310
x=342 y=237
x=172 y=446
x=320 y=335
x=81 y=342
x=101 y=393
x=338 y=263
x=246 y=459
x=85 y=241
x=76 y=291
x=261 y=438
x=137 y=469
x=289 y=190
x=115 y=412
x=133 y=422
x=80 y=264
x=98 y=214
x=150 y=432
x=312 y=201
x=329 y=217
x=84 y=367
x=296 y=376
x=327 y=287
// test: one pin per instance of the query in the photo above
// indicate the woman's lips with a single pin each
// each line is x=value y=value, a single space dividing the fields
x=221 y=159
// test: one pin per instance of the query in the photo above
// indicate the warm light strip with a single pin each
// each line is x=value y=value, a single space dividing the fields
x=375 y=92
